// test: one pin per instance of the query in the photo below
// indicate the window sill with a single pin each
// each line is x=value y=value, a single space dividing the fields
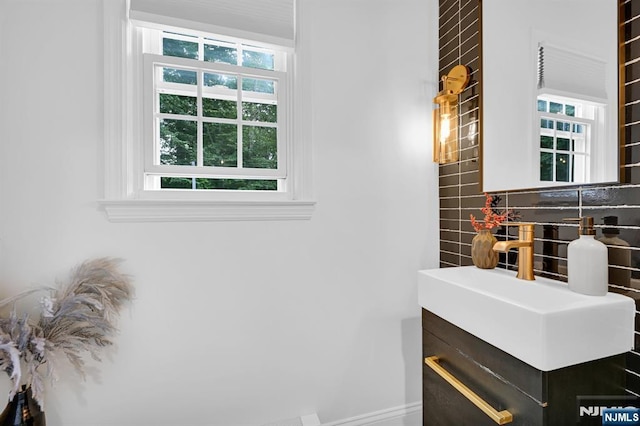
x=205 y=210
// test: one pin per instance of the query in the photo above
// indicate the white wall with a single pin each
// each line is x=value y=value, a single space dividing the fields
x=235 y=323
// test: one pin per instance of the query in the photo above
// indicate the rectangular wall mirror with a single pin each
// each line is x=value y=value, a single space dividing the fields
x=550 y=93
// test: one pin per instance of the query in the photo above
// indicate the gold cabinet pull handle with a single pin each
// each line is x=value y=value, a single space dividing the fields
x=500 y=417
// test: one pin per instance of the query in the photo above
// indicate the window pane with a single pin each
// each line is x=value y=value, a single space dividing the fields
x=546 y=124
x=228 y=81
x=253 y=111
x=546 y=142
x=258 y=85
x=175 y=75
x=546 y=166
x=260 y=60
x=578 y=128
x=178 y=142
x=259 y=147
x=219 y=108
x=176 y=104
x=563 y=144
x=227 y=55
x=555 y=108
x=570 y=110
x=238 y=184
x=562 y=168
x=180 y=48
x=542 y=106
x=229 y=184
x=220 y=144
x=177 y=182
x=562 y=126
x=579 y=145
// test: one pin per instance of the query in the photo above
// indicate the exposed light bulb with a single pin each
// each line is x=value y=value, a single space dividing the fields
x=445 y=127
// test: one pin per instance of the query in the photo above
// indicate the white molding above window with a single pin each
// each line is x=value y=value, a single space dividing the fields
x=125 y=200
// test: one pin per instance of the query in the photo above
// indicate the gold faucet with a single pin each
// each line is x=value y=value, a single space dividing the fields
x=524 y=243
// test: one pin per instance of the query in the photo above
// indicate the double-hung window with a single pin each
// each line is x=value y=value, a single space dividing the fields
x=204 y=117
x=566 y=127
x=215 y=114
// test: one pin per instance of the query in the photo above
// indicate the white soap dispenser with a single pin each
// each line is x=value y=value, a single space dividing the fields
x=587 y=262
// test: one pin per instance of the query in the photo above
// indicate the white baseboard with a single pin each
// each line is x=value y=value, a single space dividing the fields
x=376 y=417
x=307 y=420
x=310 y=420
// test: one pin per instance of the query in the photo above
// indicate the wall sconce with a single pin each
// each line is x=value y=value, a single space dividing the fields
x=445 y=116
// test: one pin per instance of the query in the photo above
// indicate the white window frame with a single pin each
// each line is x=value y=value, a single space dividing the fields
x=587 y=115
x=125 y=198
x=578 y=159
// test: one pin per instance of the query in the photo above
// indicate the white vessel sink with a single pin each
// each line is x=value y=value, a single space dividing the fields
x=540 y=322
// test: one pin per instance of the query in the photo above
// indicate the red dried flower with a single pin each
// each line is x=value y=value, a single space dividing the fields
x=491 y=219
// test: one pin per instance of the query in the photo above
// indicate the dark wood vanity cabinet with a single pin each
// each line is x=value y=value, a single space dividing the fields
x=533 y=397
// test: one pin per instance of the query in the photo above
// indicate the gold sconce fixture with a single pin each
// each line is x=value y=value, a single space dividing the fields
x=445 y=116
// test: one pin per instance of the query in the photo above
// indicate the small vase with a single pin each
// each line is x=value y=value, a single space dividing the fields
x=22 y=410
x=482 y=252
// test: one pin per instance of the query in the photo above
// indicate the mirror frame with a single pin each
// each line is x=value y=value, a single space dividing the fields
x=621 y=108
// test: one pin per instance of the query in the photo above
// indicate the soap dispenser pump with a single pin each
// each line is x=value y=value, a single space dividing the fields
x=587 y=262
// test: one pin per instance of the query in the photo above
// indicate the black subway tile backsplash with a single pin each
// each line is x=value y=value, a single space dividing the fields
x=448 y=169
x=452 y=214
x=448 y=59
x=449 y=246
x=449 y=191
x=469 y=189
x=472 y=202
x=632 y=49
x=632 y=71
x=467 y=45
x=632 y=153
x=468 y=154
x=449 y=180
x=633 y=358
x=631 y=27
x=471 y=177
x=547 y=215
x=469 y=165
x=632 y=134
x=470 y=31
x=631 y=174
x=630 y=8
x=471 y=58
x=612 y=196
x=544 y=198
x=450 y=224
x=451 y=236
x=632 y=90
x=449 y=11
x=633 y=383
x=469 y=16
x=448 y=203
x=632 y=113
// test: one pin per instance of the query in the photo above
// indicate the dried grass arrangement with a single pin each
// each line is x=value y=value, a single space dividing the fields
x=76 y=319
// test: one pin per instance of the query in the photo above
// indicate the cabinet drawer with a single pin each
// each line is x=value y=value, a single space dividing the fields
x=445 y=405
x=523 y=376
